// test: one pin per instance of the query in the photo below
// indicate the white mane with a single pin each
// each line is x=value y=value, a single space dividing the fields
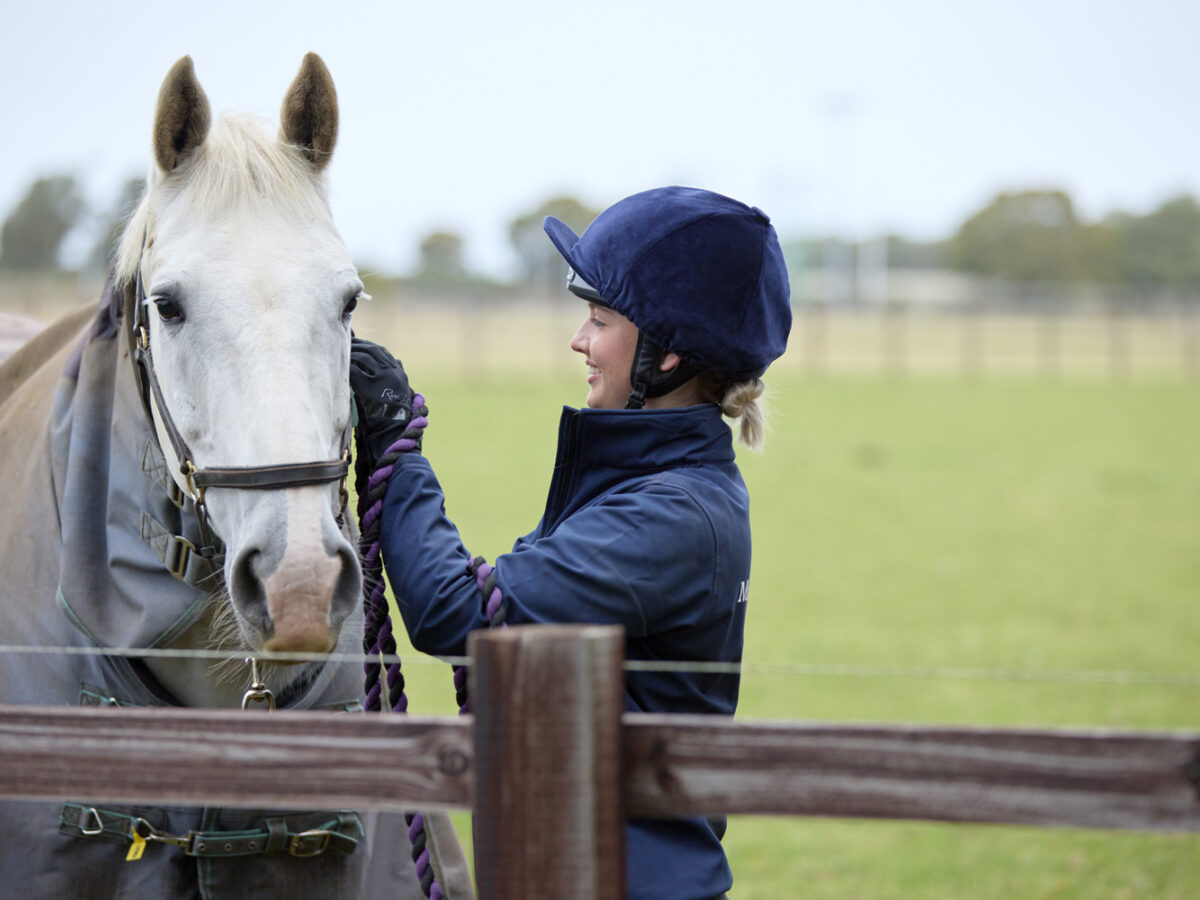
x=239 y=164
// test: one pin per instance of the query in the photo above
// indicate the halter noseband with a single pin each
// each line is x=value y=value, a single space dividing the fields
x=244 y=477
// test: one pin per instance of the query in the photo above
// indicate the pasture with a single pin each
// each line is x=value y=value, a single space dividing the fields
x=927 y=549
x=1008 y=550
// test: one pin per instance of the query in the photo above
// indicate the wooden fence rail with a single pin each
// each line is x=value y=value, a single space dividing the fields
x=551 y=766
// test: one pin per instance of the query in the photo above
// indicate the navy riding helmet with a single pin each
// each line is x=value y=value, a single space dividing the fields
x=699 y=274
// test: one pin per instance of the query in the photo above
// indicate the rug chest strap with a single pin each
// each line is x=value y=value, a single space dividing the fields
x=179 y=555
x=341 y=834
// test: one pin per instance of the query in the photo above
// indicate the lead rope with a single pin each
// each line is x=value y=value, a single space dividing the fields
x=379 y=641
x=378 y=636
x=493 y=608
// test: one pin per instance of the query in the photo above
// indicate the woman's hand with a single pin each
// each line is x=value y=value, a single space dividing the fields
x=383 y=400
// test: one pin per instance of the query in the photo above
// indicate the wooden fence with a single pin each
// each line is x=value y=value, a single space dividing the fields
x=966 y=341
x=551 y=766
x=1037 y=338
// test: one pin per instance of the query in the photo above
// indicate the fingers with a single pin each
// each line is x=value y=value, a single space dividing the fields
x=365 y=352
x=378 y=376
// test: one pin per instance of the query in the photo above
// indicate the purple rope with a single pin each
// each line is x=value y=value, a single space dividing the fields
x=378 y=637
x=493 y=608
x=379 y=640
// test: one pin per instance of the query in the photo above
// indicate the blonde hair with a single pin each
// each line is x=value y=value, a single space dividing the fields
x=741 y=401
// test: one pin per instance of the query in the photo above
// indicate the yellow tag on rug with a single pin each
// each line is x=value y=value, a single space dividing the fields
x=137 y=848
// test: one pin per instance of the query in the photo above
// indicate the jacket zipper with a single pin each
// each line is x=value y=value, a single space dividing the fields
x=564 y=468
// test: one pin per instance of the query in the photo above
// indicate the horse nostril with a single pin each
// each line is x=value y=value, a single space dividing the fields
x=347 y=589
x=247 y=592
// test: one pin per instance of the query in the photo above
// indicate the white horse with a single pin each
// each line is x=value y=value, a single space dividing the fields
x=246 y=293
x=173 y=467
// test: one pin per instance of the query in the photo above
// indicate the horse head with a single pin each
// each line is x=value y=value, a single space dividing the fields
x=243 y=290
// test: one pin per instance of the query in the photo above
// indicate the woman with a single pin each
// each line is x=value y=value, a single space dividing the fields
x=647 y=520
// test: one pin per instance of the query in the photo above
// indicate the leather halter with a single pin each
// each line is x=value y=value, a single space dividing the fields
x=197 y=480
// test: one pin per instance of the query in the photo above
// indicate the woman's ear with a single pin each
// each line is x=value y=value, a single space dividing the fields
x=669 y=361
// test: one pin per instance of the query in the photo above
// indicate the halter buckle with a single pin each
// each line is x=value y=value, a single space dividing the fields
x=343 y=493
x=188 y=470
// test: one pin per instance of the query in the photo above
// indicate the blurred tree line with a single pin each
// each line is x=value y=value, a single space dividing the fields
x=1038 y=237
x=32 y=236
x=441 y=265
x=1021 y=237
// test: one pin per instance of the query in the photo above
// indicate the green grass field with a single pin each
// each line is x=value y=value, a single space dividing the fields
x=912 y=536
x=1026 y=526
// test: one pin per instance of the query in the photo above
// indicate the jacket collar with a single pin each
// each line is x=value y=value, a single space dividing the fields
x=649 y=438
x=600 y=448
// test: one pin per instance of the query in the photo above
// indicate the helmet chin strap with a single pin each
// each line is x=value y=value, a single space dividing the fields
x=647 y=377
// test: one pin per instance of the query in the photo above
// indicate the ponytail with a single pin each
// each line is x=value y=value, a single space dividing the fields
x=741 y=401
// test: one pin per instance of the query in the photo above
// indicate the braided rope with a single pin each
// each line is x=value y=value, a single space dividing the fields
x=493 y=608
x=379 y=640
x=378 y=637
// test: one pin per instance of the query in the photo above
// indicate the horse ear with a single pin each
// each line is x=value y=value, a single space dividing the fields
x=309 y=118
x=182 y=118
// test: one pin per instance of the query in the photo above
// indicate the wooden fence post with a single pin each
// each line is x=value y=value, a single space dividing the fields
x=548 y=821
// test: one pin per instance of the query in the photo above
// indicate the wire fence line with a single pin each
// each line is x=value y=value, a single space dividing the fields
x=1013 y=674
x=551 y=764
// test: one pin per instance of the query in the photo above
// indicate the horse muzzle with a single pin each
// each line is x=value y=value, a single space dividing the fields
x=293 y=577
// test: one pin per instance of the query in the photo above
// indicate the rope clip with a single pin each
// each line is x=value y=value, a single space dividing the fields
x=258 y=692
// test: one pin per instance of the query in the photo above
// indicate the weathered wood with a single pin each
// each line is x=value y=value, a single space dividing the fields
x=548 y=812
x=281 y=759
x=699 y=765
x=557 y=765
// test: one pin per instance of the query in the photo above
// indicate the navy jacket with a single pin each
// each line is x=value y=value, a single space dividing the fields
x=646 y=525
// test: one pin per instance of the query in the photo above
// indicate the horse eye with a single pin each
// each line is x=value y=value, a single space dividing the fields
x=168 y=309
x=351 y=304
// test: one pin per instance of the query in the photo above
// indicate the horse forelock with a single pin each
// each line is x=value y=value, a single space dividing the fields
x=240 y=165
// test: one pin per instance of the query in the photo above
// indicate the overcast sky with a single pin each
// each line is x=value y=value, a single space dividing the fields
x=850 y=117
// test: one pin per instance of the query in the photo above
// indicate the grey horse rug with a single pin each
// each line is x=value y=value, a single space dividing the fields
x=86 y=552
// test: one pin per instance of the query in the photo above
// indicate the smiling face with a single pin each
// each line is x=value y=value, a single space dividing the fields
x=607 y=340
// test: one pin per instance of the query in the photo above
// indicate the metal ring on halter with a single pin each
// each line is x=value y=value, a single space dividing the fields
x=343 y=491
x=188 y=470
